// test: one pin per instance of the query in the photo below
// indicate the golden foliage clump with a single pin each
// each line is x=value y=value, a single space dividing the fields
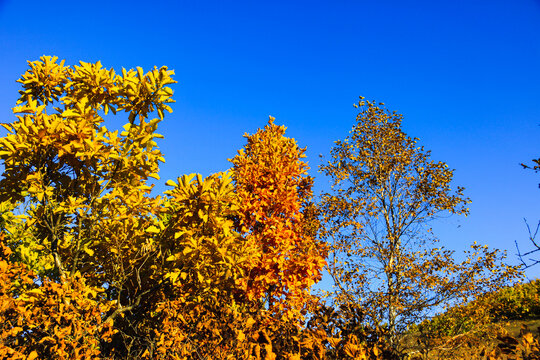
x=50 y=320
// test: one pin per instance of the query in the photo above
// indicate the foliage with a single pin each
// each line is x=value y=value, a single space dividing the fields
x=63 y=321
x=521 y=301
x=95 y=266
x=481 y=322
x=535 y=166
x=385 y=190
x=493 y=345
x=347 y=336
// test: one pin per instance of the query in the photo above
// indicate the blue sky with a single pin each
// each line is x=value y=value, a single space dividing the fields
x=465 y=74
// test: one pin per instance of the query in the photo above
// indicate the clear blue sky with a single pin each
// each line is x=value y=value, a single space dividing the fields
x=465 y=74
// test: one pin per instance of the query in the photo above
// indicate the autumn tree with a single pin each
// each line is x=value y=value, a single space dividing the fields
x=276 y=215
x=384 y=259
x=76 y=200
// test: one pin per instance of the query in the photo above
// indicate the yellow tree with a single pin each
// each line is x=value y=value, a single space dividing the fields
x=384 y=260
x=81 y=190
x=82 y=187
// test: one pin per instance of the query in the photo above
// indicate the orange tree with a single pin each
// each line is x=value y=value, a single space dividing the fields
x=278 y=220
x=385 y=191
x=277 y=217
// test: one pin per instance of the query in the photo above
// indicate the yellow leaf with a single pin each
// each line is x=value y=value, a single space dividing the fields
x=250 y=322
x=334 y=341
x=69 y=113
x=240 y=336
x=152 y=229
